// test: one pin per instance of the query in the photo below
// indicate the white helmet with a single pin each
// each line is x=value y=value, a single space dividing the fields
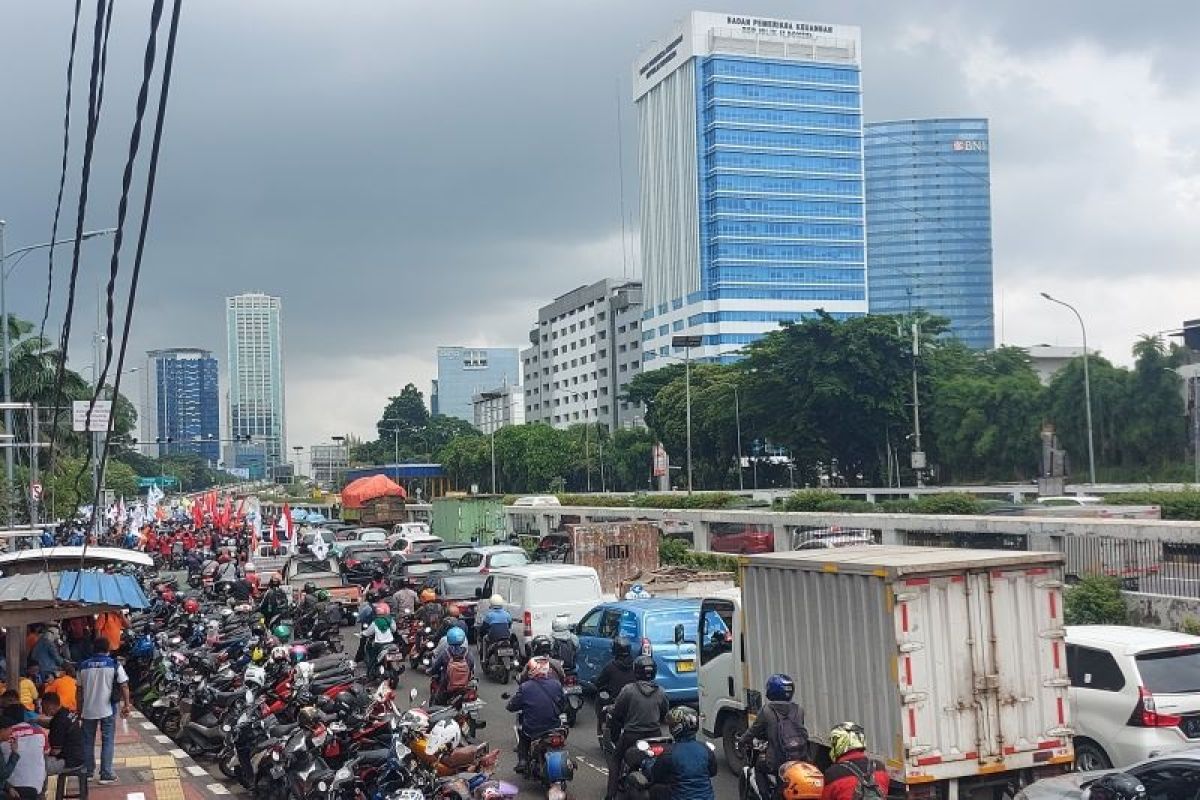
x=280 y=653
x=444 y=735
x=497 y=600
x=255 y=676
x=561 y=626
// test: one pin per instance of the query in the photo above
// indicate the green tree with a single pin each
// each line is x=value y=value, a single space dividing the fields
x=1095 y=600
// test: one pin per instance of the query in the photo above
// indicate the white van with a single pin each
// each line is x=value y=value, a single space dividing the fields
x=537 y=593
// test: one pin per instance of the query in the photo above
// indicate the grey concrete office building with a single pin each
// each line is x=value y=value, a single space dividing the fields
x=584 y=350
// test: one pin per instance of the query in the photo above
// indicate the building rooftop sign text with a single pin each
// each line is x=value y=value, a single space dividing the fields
x=782 y=25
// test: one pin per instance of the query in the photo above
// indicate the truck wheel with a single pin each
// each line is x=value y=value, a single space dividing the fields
x=731 y=729
x=1089 y=756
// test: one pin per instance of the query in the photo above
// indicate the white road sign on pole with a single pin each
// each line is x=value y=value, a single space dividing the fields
x=100 y=415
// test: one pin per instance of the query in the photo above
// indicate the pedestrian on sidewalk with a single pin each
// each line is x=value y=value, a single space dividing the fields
x=100 y=679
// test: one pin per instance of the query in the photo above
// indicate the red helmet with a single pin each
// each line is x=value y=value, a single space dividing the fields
x=382 y=609
x=168 y=596
x=191 y=605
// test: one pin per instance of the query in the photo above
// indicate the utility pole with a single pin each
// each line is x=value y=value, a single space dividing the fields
x=737 y=416
x=918 y=456
x=1196 y=429
x=687 y=342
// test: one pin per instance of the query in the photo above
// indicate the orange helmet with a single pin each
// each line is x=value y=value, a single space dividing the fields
x=801 y=781
x=428 y=595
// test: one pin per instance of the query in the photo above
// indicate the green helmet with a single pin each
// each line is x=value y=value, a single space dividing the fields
x=322 y=596
x=282 y=632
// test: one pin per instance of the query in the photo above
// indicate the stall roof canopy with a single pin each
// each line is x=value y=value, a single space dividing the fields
x=360 y=491
x=71 y=590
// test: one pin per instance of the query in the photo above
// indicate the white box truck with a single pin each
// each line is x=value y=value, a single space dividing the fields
x=953 y=661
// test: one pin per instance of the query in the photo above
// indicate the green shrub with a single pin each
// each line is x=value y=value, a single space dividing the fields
x=1095 y=600
x=1175 y=505
x=951 y=503
x=827 y=501
x=1190 y=625
x=676 y=553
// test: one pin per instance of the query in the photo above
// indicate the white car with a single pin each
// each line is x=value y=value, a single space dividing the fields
x=491 y=557
x=1070 y=500
x=1135 y=692
x=535 y=594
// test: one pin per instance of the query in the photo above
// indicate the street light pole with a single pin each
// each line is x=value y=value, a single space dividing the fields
x=687 y=342
x=737 y=416
x=1087 y=386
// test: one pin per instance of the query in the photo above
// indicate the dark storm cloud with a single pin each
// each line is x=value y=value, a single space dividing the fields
x=410 y=174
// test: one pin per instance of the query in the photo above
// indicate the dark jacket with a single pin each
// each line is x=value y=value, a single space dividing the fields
x=688 y=769
x=539 y=702
x=66 y=737
x=766 y=727
x=841 y=782
x=616 y=675
x=273 y=602
x=431 y=614
x=640 y=708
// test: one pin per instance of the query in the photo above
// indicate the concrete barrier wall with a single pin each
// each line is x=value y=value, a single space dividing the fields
x=1162 y=611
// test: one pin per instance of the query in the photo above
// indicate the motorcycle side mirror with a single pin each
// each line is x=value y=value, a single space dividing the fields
x=679 y=634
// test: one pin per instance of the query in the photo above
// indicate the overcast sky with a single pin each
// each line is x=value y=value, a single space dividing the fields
x=412 y=174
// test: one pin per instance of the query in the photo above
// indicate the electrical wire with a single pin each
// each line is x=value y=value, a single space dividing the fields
x=151 y=176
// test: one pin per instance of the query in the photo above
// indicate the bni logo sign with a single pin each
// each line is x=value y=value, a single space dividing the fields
x=970 y=145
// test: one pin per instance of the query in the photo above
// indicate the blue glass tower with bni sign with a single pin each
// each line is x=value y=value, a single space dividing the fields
x=929 y=222
x=751 y=172
x=182 y=412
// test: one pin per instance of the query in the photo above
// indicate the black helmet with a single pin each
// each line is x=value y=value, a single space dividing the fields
x=541 y=646
x=377 y=573
x=621 y=648
x=780 y=688
x=644 y=668
x=682 y=722
x=309 y=587
x=308 y=717
x=1117 y=786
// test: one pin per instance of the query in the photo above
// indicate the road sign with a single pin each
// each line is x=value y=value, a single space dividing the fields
x=161 y=481
x=660 y=461
x=35 y=491
x=100 y=415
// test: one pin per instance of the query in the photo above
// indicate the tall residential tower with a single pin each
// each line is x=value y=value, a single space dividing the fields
x=183 y=403
x=929 y=222
x=750 y=155
x=256 y=409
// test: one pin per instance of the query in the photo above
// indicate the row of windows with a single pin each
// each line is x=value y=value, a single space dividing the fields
x=717 y=317
x=821 y=120
x=714 y=66
x=787 y=207
x=784 y=185
x=850 y=231
x=795 y=275
x=783 y=140
x=787 y=252
x=737 y=159
x=791 y=95
x=724 y=293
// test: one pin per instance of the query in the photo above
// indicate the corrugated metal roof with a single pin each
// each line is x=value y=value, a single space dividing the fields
x=100 y=587
x=38 y=587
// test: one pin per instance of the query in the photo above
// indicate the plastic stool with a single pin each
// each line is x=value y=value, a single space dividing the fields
x=81 y=784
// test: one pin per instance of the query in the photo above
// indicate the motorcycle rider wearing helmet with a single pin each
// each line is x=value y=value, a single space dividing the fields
x=639 y=712
x=405 y=600
x=616 y=675
x=451 y=621
x=377 y=635
x=456 y=650
x=274 y=601
x=781 y=725
x=306 y=608
x=539 y=700
x=1116 y=786
x=495 y=627
x=565 y=643
x=431 y=611
x=540 y=660
x=378 y=588
x=688 y=766
x=848 y=749
x=328 y=614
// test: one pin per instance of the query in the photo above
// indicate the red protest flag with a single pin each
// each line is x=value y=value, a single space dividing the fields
x=287 y=520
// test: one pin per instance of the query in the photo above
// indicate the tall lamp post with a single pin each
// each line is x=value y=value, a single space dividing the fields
x=5 y=271
x=687 y=343
x=1087 y=385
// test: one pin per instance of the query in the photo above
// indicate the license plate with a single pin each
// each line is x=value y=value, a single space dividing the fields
x=395 y=657
x=504 y=651
x=685 y=666
x=573 y=690
x=276 y=772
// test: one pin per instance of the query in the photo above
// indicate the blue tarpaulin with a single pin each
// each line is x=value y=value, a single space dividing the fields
x=101 y=587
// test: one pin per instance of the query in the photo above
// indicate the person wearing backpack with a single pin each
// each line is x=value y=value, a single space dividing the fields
x=453 y=670
x=566 y=643
x=853 y=775
x=781 y=725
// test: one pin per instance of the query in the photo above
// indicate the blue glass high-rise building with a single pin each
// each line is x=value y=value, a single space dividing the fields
x=751 y=170
x=183 y=404
x=929 y=222
x=463 y=372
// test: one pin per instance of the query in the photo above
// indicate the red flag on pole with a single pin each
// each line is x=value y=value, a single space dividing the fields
x=275 y=534
x=227 y=513
x=241 y=509
x=197 y=513
x=287 y=520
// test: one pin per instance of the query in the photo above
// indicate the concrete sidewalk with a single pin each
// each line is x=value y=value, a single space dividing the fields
x=150 y=766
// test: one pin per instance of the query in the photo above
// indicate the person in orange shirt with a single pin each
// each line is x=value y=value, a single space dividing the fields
x=109 y=625
x=66 y=687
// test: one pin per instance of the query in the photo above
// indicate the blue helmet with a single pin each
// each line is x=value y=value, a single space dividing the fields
x=780 y=688
x=455 y=637
x=143 y=647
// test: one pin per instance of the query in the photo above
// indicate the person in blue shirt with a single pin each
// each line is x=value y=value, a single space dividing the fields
x=539 y=700
x=46 y=652
x=688 y=767
x=495 y=627
x=76 y=539
x=47 y=539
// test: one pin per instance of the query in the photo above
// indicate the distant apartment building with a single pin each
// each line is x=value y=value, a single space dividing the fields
x=929 y=222
x=183 y=403
x=498 y=408
x=463 y=372
x=584 y=350
x=329 y=463
x=254 y=337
